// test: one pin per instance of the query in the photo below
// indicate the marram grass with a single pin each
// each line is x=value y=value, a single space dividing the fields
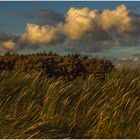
x=33 y=106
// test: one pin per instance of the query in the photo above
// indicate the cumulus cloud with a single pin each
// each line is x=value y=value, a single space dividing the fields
x=118 y=19
x=8 y=45
x=82 y=29
x=11 y=42
x=106 y=28
x=8 y=41
x=81 y=21
x=37 y=34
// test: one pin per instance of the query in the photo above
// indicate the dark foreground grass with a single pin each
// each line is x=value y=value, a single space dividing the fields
x=33 y=106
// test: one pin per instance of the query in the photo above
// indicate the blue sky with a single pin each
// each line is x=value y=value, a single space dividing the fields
x=16 y=23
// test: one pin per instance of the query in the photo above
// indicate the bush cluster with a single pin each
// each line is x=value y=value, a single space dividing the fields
x=68 y=66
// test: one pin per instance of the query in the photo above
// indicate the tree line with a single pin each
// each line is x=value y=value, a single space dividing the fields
x=69 y=66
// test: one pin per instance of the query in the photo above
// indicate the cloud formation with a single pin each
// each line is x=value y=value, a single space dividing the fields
x=8 y=45
x=81 y=21
x=8 y=41
x=91 y=30
x=43 y=35
x=105 y=28
x=44 y=16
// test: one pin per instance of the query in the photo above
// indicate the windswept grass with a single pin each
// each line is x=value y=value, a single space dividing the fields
x=33 y=106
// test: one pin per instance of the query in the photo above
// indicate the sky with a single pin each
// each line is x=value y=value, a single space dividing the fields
x=94 y=28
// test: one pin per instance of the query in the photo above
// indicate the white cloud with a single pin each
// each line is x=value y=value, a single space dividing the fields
x=90 y=28
x=37 y=34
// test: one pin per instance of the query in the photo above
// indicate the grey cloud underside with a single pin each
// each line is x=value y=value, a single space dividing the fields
x=7 y=36
x=81 y=30
x=43 y=16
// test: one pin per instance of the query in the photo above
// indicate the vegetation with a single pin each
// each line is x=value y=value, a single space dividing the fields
x=69 y=67
x=33 y=105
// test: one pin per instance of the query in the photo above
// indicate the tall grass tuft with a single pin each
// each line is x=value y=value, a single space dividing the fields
x=34 y=106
